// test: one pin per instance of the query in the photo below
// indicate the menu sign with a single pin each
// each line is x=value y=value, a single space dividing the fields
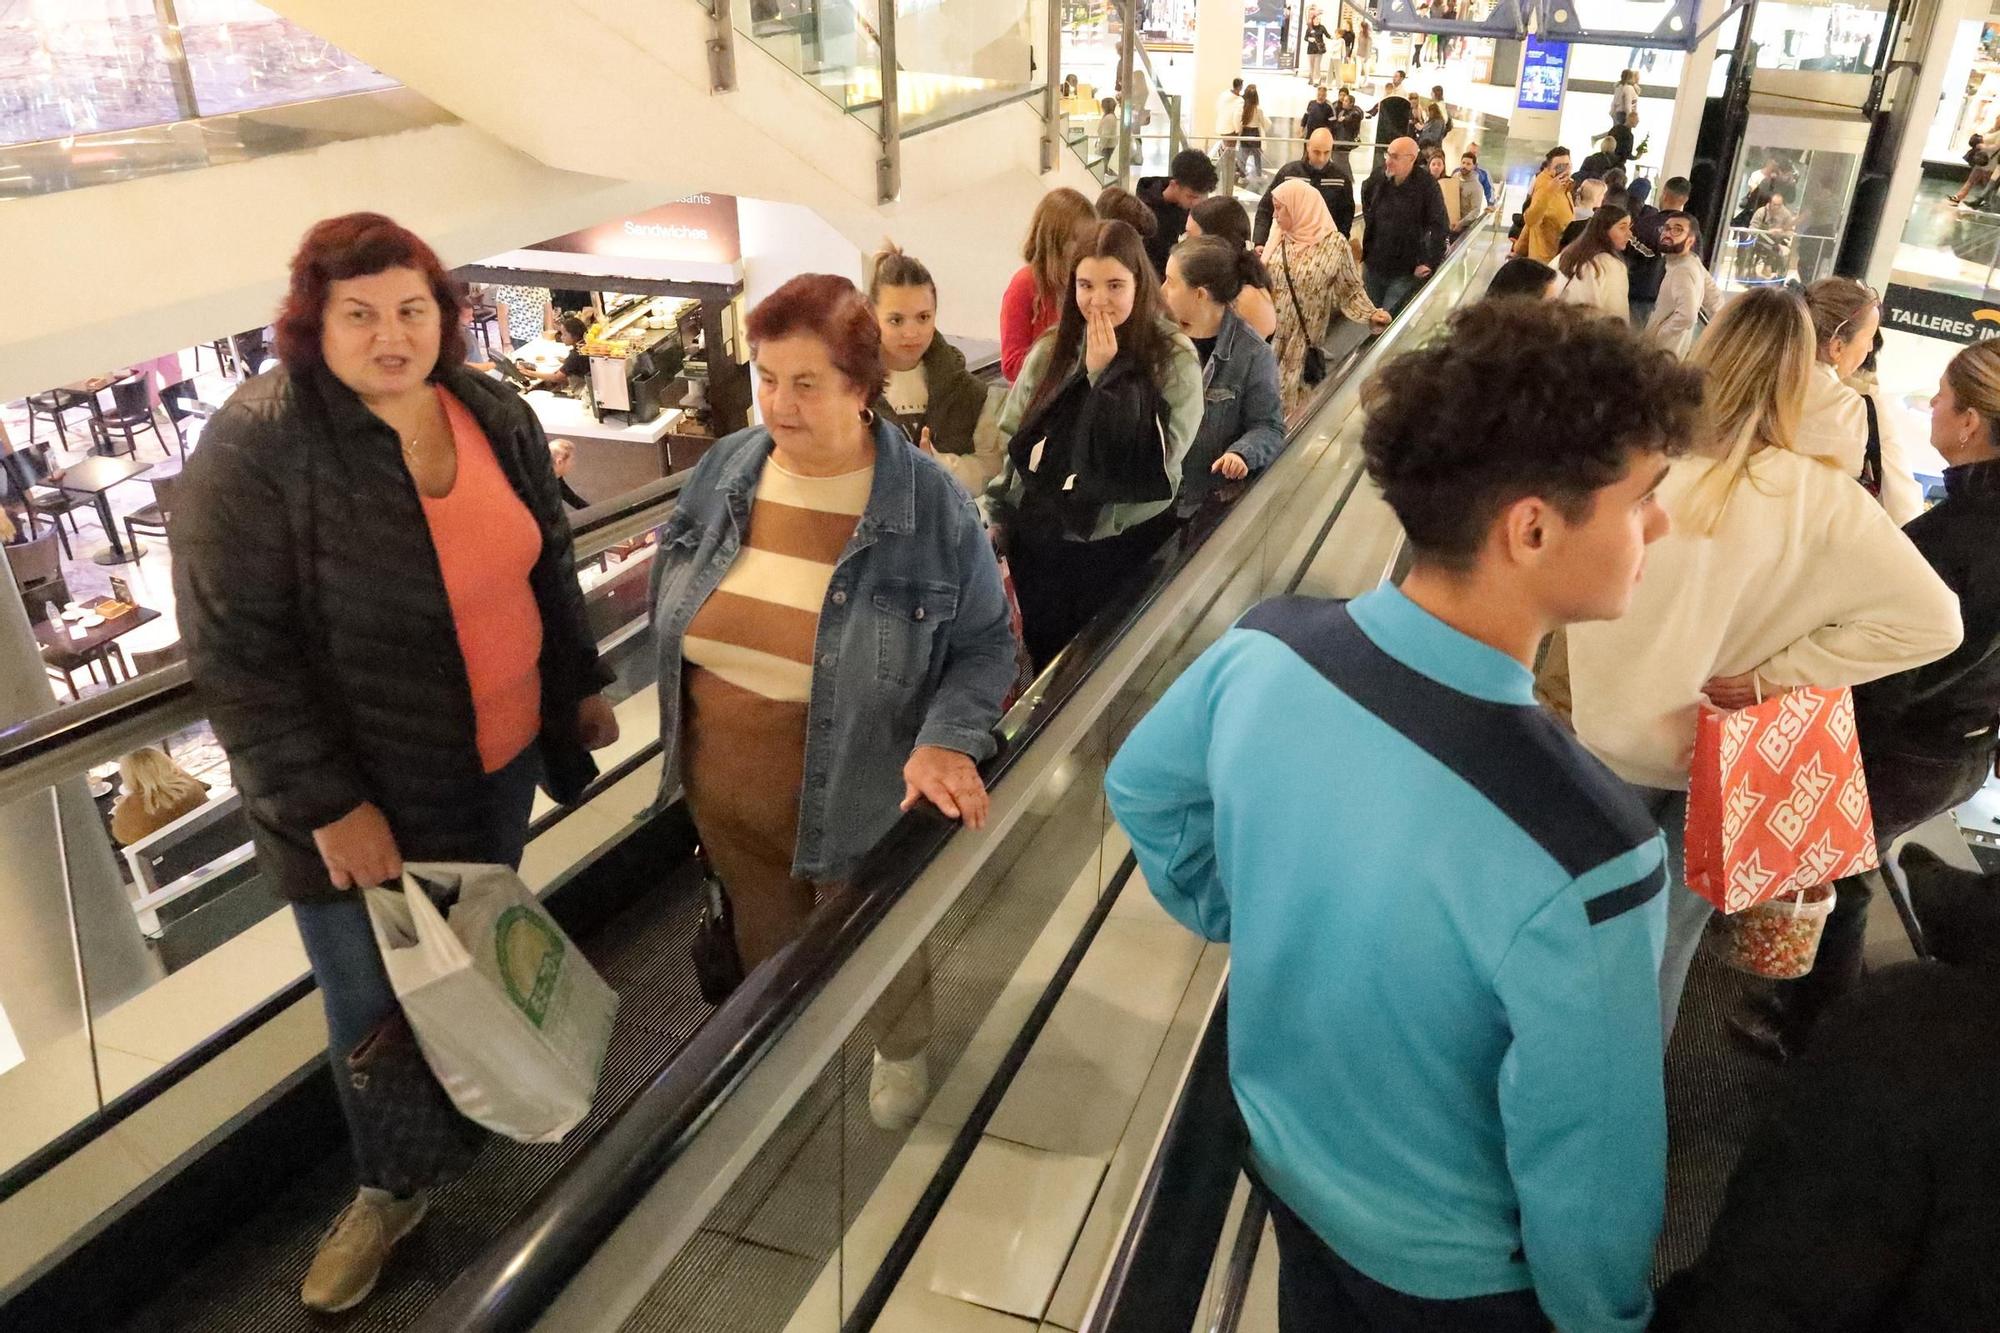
x=1961 y=319
x=699 y=228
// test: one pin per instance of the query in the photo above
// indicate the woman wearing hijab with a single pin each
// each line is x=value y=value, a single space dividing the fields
x=1314 y=274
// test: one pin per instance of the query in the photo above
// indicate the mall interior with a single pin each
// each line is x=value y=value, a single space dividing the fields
x=1074 y=1144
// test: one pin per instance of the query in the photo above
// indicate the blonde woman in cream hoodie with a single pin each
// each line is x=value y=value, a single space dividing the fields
x=1845 y=316
x=1780 y=571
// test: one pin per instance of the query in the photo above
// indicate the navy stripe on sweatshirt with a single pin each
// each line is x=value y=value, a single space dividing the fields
x=1517 y=757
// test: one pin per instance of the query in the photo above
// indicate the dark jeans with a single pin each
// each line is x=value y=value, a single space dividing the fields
x=1388 y=290
x=340 y=941
x=1905 y=791
x=1062 y=584
x=1319 y=1292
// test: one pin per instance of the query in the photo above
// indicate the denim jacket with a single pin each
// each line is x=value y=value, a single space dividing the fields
x=915 y=646
x=1241 y=410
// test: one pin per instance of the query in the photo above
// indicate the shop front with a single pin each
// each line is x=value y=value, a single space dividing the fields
x=663 y=369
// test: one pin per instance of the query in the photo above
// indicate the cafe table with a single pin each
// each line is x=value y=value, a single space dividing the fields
x=93 y=477
x=69 y=653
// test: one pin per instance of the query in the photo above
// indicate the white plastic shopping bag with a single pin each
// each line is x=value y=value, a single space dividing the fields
x=511 y=1018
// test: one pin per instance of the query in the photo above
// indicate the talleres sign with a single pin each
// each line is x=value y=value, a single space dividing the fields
x=1945 y=315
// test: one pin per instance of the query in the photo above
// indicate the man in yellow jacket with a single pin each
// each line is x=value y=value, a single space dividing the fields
x=1548 y=210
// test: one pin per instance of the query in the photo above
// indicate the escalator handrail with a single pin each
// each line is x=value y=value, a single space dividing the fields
x=533 y=1259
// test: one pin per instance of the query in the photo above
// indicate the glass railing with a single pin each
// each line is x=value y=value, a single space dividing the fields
x=68 y=69
x=751 y=1184
x=952 y=57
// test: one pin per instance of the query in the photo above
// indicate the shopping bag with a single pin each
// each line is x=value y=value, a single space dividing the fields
x=511 y=1018
x=1777 y=800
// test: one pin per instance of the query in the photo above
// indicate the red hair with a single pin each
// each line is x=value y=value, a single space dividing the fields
x=830 y=309
x=357 y=246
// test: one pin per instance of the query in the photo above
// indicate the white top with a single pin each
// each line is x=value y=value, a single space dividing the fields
x=1228 y=113
x=1835 y=426
x=908 y=391
x=1805 y=581
x=1604 y=283
x=1624 y=100
x=1687 y=296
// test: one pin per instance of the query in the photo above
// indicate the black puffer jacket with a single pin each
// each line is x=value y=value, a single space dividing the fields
x=318 y=627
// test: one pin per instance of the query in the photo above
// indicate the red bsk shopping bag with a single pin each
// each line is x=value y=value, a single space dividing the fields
x=1777 y=801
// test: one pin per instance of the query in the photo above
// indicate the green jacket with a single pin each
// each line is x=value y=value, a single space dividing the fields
x=1182 y=388
x=958 y=402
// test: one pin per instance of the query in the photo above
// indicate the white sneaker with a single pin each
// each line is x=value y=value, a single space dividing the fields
x=898 y=1091
x=355 y=1247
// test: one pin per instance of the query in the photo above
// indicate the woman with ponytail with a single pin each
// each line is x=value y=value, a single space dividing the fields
x=1779 y=572
x=1242 y=423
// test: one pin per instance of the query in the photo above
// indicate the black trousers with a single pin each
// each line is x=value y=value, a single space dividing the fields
x=1320 y=1292
x=1905 y=791
x=1062 y=584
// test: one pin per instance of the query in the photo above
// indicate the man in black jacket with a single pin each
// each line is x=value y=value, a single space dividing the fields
x=1869 y=1197
x=1325 y=173
x=1392 y=114
x=1191 y=179
x=1406 y=225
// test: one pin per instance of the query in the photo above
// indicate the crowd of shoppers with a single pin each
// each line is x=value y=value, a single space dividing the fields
x=836 y=643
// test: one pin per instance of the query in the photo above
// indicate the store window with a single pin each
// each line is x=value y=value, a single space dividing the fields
x=1835 y=38
x=242 y=56
x=81 y=67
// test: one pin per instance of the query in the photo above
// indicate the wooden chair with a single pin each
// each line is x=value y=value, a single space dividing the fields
x=37 y=573
x=27 y=470
x=132 y=411
x=152 y=659
x=51 y=407
x=154 y=517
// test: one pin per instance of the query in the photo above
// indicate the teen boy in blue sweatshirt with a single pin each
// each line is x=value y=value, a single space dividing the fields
x=1445 y=917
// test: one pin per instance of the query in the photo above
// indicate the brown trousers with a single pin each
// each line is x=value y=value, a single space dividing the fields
x=743 y=769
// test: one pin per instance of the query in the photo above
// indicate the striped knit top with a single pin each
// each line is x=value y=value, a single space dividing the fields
x=758 y=628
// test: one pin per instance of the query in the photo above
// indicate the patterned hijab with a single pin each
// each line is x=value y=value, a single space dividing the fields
x=1301 y=213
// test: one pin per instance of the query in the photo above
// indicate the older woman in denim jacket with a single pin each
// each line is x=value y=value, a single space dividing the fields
x=834 y=642
x=1242 y=424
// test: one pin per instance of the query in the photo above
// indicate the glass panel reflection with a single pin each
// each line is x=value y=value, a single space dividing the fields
x=240 y=56
x=82 y=67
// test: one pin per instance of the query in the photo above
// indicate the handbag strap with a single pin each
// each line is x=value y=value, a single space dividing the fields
x=1285 y=263
x=1871 y=458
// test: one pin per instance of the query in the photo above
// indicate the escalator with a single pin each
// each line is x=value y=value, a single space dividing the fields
x=731 y=1158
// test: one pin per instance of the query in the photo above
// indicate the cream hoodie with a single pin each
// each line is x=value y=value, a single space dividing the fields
x=1835 y=426
x=1805 y=579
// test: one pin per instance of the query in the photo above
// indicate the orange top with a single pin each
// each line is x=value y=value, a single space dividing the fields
x=487 y=544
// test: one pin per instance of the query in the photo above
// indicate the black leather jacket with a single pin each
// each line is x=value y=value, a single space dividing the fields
x=319 y=631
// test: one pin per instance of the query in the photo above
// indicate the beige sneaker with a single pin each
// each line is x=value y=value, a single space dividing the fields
x=898 y=1090
x=352 y=1252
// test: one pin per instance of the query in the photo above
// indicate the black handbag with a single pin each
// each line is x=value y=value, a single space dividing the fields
x=1314 y=369
x=408 y=1135
x=718 y=966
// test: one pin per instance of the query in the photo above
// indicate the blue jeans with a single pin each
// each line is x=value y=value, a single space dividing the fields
x=1386 y=290
x=1687 y=911
x=340 y=941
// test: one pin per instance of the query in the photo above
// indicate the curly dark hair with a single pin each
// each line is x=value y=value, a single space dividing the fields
x=1492 y=412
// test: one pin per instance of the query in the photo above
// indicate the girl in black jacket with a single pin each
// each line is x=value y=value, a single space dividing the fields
x=377 y=589
x=940 y=405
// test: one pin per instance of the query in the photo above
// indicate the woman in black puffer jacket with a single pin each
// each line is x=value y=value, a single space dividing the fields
x=377 y=589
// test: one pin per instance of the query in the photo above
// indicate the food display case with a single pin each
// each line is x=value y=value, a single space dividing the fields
x=636 y=352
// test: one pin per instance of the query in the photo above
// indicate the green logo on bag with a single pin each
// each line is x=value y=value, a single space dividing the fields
x=530 y=952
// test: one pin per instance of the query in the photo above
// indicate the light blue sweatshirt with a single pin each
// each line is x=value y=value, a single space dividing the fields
x=1445 y=921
